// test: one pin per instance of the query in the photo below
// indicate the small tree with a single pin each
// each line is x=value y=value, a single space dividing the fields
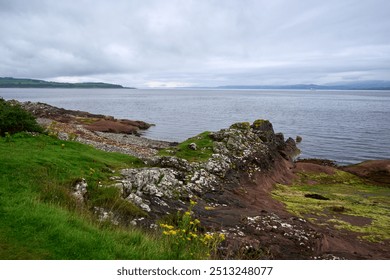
x=14 y=118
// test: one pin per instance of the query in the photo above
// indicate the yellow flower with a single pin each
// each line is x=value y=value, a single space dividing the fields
x=188 y=213
x=208 y=236
x=165 y=232
x=167 y=226
x=193 y=203
x=196 y=221
x=208 y=208
x=222 y=236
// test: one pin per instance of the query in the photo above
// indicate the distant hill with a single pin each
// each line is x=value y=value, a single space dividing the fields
x=360 y=85
x=31 y=83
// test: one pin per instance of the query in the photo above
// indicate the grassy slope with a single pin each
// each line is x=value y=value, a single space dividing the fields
x=347 y=194
x=203 y=152
x=41 y=220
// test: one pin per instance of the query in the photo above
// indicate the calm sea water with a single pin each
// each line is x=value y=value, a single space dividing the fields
x=346 y=126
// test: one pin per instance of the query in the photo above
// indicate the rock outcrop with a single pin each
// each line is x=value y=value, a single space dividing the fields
x=241 y=149
x=92 y=122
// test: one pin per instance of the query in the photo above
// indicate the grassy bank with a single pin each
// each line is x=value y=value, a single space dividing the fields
x=39 y=217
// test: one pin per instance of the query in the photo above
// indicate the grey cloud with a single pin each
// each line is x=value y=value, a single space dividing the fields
x=195 y=42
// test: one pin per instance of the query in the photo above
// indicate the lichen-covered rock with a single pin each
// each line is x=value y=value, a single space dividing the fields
x=202 y=181
x=264 y=129
x=193 y=146
x=160 y=182
x=218 y=164
x=240 y=149
x=104 y=215
x=80 y=189
x=138 y=201
x=172 y=162
x=242 y=126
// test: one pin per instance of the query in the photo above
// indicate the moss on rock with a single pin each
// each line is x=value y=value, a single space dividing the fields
x=262 y=125
x=241 y=126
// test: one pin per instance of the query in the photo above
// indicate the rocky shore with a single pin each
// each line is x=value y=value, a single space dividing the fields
x=233 y=182
x=103 y=132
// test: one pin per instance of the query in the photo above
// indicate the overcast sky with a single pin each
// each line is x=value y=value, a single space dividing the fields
x=149 y=43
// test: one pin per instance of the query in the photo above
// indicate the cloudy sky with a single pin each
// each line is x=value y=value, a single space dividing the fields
x=155 y=43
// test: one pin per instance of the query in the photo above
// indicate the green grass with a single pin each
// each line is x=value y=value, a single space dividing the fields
x=347 y=194
x=39 y=217
x=203 y=152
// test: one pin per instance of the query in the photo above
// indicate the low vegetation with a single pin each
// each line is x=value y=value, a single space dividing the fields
x=203 y=151
x=14 y=119
x=40 y=216
x=184 y=232
x=41 y=219
x=341 y=200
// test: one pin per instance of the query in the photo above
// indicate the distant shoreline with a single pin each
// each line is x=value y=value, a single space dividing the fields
x=32 y=83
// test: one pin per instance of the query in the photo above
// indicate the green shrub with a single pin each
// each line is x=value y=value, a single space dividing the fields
x=14 y=119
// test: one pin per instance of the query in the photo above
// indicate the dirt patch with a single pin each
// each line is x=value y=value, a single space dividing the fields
x=308 y=167
x=355 y=220
x=375 y=171
x=112 y=126
x=318 y=161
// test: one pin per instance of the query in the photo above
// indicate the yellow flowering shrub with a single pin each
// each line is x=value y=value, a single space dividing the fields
x=186 y=236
